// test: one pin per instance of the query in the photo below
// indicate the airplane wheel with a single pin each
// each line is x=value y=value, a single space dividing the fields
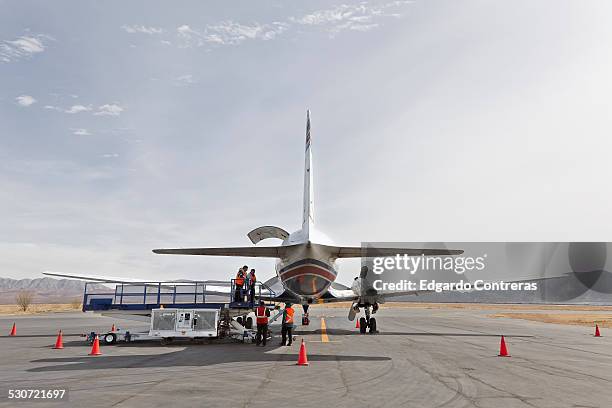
x=249 y=323
x=363 y=326
x=373 y=326
x=239 y=320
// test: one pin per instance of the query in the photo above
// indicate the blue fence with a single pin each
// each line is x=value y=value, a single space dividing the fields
x=152 y=295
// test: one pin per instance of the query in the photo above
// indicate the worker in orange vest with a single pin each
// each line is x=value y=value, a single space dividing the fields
x=287 y=326
x=239 y=281
x=261 y=316
x=252 y=279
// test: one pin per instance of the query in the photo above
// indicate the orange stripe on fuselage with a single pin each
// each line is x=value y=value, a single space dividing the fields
x=308 y=270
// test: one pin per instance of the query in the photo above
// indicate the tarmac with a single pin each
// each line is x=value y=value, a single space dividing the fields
x=420 y=358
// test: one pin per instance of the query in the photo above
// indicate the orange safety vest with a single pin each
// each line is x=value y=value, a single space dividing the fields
x=252 y=278
x=289 y=317
x=240 y=279
x=260 y=314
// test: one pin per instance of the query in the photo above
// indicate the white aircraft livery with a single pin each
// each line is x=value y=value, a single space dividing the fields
x=306 y=259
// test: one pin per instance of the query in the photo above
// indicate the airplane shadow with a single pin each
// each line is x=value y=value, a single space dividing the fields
x=33 y=336
x=189 y=357
x=345 y=332
x=273 y=343
x=156 y=343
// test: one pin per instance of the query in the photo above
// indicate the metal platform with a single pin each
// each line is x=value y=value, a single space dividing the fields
x=146 y=296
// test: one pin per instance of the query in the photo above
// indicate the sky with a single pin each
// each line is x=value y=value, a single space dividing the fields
x=127 y=126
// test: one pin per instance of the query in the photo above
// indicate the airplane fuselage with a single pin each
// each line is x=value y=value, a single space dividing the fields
x=307 y=270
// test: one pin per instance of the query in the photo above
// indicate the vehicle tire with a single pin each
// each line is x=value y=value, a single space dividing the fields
x=239 y=320
x=110 y=338
x=165 y=341
x=363 y=326
x=373 y=326
x=249 y=323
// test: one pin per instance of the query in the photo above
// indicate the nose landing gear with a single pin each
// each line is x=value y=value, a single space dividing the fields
x=368 y=322
x=305 y=318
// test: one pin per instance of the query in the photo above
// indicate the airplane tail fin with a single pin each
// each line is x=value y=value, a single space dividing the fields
x=308 y=216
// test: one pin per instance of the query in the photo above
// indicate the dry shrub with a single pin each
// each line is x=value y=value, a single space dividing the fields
x=24 y=299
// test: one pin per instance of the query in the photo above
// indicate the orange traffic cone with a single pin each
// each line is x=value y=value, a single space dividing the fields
x=302 y=359
x=597 y=333
x=357 y=324
x=503 y=350
x=95 y=349
x=113 y=329
x=13 y=330
x=59 y=343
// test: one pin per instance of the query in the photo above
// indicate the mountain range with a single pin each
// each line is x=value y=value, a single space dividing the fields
x=45 y=290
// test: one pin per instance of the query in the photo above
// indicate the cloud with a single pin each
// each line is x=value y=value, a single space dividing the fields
x=228 y=33
x=189 y=37
x=112 y=109
x=134 y=29
x=77 y=109
x=358 y=17
x=186 y=30
x=110 y=155
x=185 y=80
x=109 y=110
x=25 y=100
x=22 y=47
x=80 y=132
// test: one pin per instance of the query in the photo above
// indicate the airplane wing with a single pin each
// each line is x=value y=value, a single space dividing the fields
x=259 y=252
x=213 y=287
x=95 y=278
x=112 y=279
x=367 y=252
x=280 y=251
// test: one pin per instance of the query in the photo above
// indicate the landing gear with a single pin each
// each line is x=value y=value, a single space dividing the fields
x=372 y=326
x=368 y=322
x=305 y=318
x=363 y=325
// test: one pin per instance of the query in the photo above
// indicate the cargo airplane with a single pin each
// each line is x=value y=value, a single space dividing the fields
x=306 y=260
